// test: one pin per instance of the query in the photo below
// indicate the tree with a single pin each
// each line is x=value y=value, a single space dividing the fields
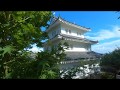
x=19 y=30
x=111 y=62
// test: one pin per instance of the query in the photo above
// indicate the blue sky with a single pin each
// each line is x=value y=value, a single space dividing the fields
x=104 y=25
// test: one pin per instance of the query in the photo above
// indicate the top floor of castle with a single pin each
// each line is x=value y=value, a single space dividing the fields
x=60 y=26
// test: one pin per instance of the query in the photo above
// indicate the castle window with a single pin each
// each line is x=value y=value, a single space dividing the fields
x=71 y=47
x=53 y=33
x=79 y=34
x=66 y=30
x=69 y=31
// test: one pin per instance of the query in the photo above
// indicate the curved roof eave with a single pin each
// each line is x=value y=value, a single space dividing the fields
x=68 y=23
x=75 y=25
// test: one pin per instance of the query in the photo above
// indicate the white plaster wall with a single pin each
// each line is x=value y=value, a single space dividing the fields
x=55 y=44
x=73 y=31
x=78 y=46
x=56 y=29
x=63 y=30
x=77 y=49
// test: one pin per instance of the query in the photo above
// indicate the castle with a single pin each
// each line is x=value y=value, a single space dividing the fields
x=61 y=31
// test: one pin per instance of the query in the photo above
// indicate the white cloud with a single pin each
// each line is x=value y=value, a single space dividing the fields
x=54 y=13
x=110 y=37
x=106 y=47
x=106 y=34
x=35 y=49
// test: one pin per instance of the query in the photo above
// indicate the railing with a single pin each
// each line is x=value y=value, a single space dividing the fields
x=78 y=38
x=73 y=61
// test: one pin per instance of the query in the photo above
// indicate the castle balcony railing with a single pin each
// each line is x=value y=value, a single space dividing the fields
x=74 y=61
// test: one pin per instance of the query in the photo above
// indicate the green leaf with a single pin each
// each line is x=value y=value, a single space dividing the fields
x=7 y=49
x=19 y=12
x=43 y=76
x=51 y=73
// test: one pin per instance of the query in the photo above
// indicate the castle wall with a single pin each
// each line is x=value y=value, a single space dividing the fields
x=78 y=46
x=54 y=31
x=74 y=32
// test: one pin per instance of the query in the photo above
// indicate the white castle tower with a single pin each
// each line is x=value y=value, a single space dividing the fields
x=61 y=30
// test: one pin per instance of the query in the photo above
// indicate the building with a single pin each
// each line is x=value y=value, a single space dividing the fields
x=62 y=31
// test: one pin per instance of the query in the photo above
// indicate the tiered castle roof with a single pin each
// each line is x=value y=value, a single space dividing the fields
x=55 y=19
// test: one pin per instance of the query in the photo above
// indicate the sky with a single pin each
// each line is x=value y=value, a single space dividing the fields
x=104 y=25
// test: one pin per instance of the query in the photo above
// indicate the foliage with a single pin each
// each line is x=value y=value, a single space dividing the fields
x=106 y=75
x=69 y=74
x=43 y=66
x=19 y=30
x=111 y=61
